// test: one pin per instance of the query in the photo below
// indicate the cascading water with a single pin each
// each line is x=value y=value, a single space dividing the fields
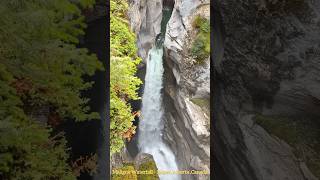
x=151 y=122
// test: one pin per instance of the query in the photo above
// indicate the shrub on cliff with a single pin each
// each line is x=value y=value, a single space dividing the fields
x=200 y=49
x=123 y=82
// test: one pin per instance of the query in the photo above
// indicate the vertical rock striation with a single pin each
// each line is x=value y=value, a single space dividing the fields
x=270 y=66
x=145 y=20
x=186 y=91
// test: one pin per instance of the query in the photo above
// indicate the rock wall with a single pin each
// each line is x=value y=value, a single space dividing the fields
x=145 y=20
x=186 y=121
x=269 y=65
x=185 y=83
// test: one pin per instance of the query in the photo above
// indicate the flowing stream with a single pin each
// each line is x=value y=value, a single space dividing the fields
x=151 y=122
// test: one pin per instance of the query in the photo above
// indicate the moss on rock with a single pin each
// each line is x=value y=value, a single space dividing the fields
x=200 y=49
x=203 y=103
x=128 y=173
x=302 y=134
x=151 y=167
x=142 y=168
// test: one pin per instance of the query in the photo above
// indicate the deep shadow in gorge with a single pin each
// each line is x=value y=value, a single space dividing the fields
x=88 y=137
x=217 y=50
x=132 y=146
x=218 y=171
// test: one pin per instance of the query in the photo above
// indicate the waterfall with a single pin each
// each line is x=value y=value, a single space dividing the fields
x=151 y=122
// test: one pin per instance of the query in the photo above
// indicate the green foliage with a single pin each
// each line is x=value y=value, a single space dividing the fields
x=118 y=9
x=148 y=166
x=26 y=149
x=26 y=152
x=129 y=172
x=281 y=127
x=40 y=66
x=302 y=134
x=126 y=168
x=86 y=3
x=38 y=44
x=200 y=49
x=201 y=23
x=122 y=40
x=203 y=103
x=123 y=82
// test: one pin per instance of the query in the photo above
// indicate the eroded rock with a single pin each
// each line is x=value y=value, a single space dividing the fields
x=268 y=64
x=185 y=121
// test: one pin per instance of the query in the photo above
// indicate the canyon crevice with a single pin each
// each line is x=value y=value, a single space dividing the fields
x=187 y=123
x=185 y=85
x=269 y=66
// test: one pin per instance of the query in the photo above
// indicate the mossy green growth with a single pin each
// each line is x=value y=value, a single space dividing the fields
x=201 y=23
x=200 y=49
x=301 y=133
x=281 y=127
x=147 y=166
x=203 y=103
x=124 y=83
x=125 y=176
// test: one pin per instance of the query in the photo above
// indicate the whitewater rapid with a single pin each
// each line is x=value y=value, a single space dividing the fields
x=151 y=121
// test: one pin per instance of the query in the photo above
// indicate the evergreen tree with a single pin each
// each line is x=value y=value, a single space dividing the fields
x=40 y=66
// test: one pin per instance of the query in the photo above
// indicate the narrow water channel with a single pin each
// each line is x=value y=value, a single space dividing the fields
x=151 y=122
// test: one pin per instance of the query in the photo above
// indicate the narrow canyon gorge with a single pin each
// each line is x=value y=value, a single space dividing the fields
x=186 y=85
x=265 y=91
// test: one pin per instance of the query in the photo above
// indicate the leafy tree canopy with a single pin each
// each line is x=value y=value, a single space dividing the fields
x=40 y=66
x=123 y=82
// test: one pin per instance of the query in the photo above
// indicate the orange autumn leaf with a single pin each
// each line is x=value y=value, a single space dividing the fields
x=128 y=134
x=137 y=113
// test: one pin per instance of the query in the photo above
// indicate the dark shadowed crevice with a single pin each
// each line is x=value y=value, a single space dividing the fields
x=86 y=138
x=217 y=51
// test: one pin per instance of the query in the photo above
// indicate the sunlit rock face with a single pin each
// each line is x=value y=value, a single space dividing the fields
x=186 y=90
x=145 y=20
x=268 y=64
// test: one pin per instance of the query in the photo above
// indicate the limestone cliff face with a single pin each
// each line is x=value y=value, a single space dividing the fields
x=186 y=90
x=267 y=62
x=186 y=85
x=145 y=20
